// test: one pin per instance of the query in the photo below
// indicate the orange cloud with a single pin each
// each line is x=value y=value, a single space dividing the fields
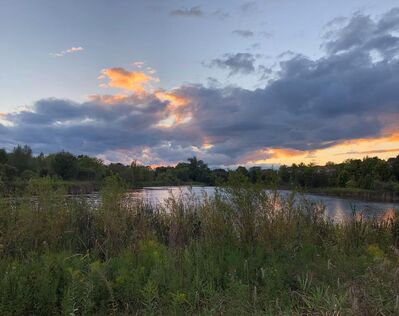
x=207 y=143
x=371 y=152
x=3 y=119
x=388 y=136
x=175 y=101
x=176 y=109
x=136 y=81
x=384 y=147
x=284 y=153
x=264 y=156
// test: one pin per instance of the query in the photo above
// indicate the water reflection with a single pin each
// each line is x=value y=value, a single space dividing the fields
x=338 y=209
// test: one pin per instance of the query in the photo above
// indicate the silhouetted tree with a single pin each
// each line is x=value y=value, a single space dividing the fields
x=3 y=156
x=65 y=165
x=21 y=158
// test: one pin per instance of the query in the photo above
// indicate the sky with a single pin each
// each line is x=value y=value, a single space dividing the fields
x=232 y=82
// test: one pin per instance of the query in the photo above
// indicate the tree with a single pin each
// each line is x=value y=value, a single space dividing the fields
x=3 y=156
x=255 y=174
x=220 y=175
x=90 y=168
x=139 y=173
x=242 y=170
x=284 y=174
x=8 y=173
x=21 y=158
x=182 y=171
x=343 y=178
x=65 y=165
x=394 y=162
x=199 y=171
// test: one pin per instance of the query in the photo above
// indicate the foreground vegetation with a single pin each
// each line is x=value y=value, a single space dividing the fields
x=241 y=252
x=84 y=174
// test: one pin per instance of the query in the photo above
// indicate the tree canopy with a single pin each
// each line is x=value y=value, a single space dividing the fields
x=369 y=173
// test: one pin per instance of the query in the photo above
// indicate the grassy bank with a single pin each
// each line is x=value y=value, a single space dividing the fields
x=70 y=187
x=241 y=252
x=85 y=187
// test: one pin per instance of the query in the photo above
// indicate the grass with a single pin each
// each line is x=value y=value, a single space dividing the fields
x=240 y=252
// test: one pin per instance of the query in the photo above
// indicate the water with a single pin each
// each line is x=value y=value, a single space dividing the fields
x=336 y=208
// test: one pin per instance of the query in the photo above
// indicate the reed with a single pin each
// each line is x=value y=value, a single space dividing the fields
x=243 y=251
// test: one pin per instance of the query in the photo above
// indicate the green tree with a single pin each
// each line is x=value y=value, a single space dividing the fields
x=65 y=165
x=21 y=158
x=255 y=174
x=242 y=171
x=3 y=156
x=199 y=171
x=394 y=162
x=343 y=178
x=284 y=174
x=90 y=168
x=8 y=173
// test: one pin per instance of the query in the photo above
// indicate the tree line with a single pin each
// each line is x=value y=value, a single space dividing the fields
x=370 y=173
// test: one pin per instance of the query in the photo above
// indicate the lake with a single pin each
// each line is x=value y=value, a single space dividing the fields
x=336 y=208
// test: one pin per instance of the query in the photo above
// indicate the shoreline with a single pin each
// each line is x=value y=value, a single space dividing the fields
x=363 y=195
x=88 y=187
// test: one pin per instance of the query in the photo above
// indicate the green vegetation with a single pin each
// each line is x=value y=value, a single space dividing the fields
x=83 y=174
x=242 y=252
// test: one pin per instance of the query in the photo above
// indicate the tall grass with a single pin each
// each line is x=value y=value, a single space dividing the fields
x=243 y=251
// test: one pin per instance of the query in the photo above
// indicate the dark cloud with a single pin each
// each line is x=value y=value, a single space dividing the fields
x=362 y=33
x=309 y=104
x=243 y=33
x=192 y=12
x=240 y=63
x=91 y=127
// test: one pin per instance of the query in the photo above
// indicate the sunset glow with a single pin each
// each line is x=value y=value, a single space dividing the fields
x=120 y=78
x=167 y=82
x=383 y=147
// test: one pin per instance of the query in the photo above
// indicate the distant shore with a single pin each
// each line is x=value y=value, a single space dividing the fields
x=89 y=187
x=367 y=195
x=349 y=193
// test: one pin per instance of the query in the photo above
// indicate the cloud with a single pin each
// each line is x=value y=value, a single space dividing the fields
x=243 y=33
x=239 y=63
x=266 y=73
x=67 y=51
x=370 y=152
x=139 y=64
x=176 y=109
x=220 y=14
x=271 y=153
x=266 y=34
x=364 y=33
x=136 y=81
x=192 y=12
x=248 y=6
x=342 y=100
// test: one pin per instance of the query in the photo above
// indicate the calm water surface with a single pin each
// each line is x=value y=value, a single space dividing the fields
x=337 y=208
